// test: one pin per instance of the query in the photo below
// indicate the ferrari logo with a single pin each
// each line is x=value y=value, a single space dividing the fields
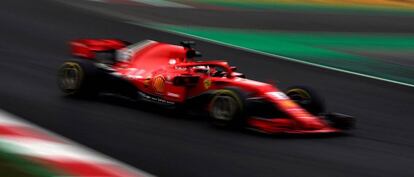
x=207 y=83
x=159 y=84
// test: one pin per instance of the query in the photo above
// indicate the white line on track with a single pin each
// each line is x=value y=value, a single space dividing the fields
x=156 y=3
x=162 y=3
x=268 y=54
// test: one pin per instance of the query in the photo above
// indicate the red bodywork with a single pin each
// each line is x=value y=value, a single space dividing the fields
x=163 y=71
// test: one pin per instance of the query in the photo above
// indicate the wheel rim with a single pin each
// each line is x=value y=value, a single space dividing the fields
x=69 y=78
x=224 y=107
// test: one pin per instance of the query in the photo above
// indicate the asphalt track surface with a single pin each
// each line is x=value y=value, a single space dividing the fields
x=33 y=42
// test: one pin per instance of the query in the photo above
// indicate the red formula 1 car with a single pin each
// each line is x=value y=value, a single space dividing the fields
x=169 y=75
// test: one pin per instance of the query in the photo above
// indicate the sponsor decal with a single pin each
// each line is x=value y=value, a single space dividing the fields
x=173 y=95
x=128 y=52
x=278 y=95
x=207 y=83
x=134 y=73
x=125 y=54
x=159 y=84
x=181 y=68
x=155 y=99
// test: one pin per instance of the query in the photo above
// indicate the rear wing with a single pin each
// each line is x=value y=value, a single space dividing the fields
x=88 y=48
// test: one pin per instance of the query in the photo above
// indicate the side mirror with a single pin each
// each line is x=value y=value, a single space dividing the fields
x=233 y=68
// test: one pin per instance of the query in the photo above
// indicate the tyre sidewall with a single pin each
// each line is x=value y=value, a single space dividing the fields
x=238 y=118
x=88 y=82
x=316 y=103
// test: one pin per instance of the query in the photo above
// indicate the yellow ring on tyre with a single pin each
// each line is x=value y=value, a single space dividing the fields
x=229 y=92
x=301 y=92
x=63 y=73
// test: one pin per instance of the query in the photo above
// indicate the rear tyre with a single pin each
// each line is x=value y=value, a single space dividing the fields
x=307 y=98
x=226 y=108
x=79 y=78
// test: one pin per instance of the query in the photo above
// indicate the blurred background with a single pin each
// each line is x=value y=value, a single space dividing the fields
x=358 y=54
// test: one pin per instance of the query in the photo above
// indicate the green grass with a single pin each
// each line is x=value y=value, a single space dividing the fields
x=15 y=166
x=323 y=48
x=306 y=7
x=7 y=169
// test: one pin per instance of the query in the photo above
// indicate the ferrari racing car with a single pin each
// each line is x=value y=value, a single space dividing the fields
x=169 y=75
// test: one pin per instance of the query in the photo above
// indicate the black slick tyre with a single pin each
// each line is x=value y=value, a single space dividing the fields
x=307 y=98
x=79 y=78
x=226 y=108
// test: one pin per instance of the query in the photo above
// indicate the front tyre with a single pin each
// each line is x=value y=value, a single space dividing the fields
x=307 y=99
x=78 y=78
x=226 y=108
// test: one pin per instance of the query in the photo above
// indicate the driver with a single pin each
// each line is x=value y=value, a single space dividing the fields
x=217 y=72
